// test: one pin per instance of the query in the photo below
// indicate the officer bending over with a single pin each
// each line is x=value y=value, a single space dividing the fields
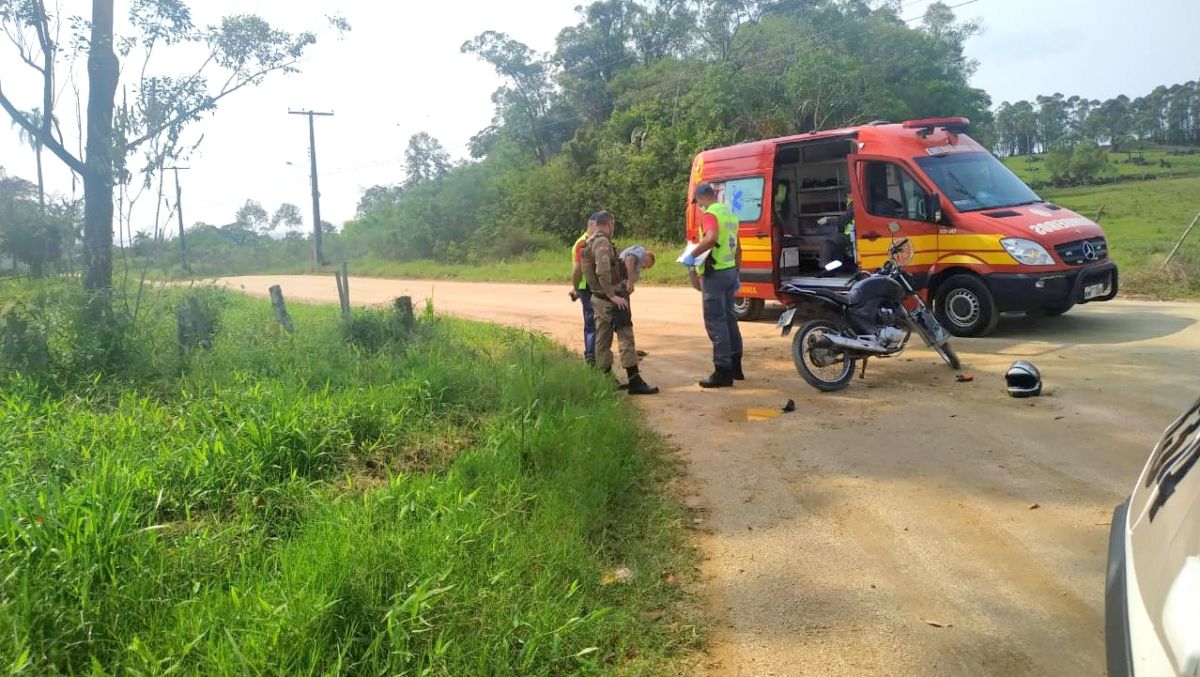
x=605 y=275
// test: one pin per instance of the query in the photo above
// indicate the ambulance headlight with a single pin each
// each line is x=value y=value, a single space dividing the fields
x=1027 y=252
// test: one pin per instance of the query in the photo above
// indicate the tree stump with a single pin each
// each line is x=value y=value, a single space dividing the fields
x=281 y=313
x=192 y=327
x=404 y=309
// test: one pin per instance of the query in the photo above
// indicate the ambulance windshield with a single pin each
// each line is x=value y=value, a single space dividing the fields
x=974 y=181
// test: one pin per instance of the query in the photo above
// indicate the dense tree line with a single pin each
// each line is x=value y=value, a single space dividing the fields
x=37 y=231
x=612 y=118
x=1167 y=115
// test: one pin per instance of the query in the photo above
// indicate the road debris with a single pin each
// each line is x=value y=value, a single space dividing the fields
x=938 y=624
x=789 y=407
x=621 y=575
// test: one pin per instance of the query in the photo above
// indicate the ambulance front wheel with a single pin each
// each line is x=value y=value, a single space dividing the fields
x=965 y=306
x=748 y=310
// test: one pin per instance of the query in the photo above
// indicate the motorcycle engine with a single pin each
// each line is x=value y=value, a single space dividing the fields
x=890 y=336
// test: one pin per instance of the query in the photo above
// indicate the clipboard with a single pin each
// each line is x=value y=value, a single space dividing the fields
x=691 y=247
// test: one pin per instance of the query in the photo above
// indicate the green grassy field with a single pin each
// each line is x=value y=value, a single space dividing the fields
x=1143 y=220
x=440 y=498
x=1031 y=168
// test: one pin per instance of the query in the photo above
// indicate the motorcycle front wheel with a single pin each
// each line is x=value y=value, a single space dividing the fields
x=825 y=368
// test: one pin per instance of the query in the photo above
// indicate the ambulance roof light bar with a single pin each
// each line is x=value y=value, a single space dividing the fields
x=927 y=125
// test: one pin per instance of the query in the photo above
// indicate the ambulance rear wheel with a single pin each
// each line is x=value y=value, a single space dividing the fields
x=965 y=306
x=748 y=310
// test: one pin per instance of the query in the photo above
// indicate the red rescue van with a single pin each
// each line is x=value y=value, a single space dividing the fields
x=984 y=242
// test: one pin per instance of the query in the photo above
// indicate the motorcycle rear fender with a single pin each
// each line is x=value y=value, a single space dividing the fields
x=791 y=316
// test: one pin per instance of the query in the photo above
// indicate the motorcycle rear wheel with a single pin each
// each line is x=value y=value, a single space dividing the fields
x=826 y=369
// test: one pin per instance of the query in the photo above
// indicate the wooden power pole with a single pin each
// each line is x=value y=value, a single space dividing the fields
x=318 y=256
x=179 y=212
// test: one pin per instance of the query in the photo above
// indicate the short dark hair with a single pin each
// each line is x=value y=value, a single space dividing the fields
x=603 y=218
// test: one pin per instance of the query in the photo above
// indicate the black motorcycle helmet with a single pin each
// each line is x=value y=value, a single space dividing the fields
x=1024 y=380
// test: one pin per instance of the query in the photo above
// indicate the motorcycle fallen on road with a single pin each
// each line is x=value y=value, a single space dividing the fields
x=876 y=318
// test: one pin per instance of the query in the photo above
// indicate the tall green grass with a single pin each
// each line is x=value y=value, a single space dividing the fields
x=438 y=499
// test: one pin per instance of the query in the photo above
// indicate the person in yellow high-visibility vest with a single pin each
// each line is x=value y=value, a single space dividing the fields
x=581 y=292
x=719 y=239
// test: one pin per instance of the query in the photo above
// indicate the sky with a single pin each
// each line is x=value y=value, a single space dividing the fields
x=400 y=71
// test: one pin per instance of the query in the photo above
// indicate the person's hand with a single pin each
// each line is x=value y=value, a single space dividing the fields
x=629 y=286
x=689 y=261
x=574 y=294
x=620 y=303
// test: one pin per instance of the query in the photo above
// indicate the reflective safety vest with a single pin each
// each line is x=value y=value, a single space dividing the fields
x=582 y=241
x=724 y=252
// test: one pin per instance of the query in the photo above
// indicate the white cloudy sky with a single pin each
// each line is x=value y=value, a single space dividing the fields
x=400 y=71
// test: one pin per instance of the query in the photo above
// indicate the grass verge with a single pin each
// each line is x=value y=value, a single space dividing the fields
x=441 y=498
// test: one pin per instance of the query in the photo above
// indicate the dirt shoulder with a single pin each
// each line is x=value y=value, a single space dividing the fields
x=835 y=535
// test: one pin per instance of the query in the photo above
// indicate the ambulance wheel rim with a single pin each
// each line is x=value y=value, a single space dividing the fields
x=963 y=307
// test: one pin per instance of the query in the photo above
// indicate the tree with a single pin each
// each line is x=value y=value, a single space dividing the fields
x=32 y=233
x=288 y=216
x=523 y=103
x=31 y=139
x=425 y=159
x=241 y=50
x=252 y=216
x=376 y=197
x=1088 y=162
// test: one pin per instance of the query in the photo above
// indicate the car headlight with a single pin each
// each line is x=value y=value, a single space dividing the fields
x=1027 y=252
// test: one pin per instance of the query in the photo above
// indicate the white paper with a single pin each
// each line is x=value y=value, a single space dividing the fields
x=691 y=247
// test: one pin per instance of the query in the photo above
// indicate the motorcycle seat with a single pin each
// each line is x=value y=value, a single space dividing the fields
x=839 y=299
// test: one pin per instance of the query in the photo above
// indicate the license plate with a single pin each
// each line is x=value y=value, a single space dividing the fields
x=1094 y=291
x=786 y=318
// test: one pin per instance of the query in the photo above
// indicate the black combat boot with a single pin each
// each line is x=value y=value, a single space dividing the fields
x=737 y=368
x=637 y=384
x=721 y=378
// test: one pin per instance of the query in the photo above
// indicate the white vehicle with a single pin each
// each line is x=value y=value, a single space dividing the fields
x=1152 y=602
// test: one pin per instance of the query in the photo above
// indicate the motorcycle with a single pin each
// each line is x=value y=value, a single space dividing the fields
x=873 y=320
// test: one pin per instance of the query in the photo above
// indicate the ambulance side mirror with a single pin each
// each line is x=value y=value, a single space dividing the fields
x=933 y=208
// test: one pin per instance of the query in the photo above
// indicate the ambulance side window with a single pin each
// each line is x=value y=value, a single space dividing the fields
x=744 y=197
x=892 y=193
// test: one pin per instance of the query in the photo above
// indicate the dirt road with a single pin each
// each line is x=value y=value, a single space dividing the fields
x=835 y=535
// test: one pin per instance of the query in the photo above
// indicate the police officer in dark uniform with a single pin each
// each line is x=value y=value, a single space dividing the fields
x=605 y=275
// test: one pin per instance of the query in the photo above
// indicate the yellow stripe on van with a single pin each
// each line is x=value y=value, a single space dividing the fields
x=756 y=256
x=877 y=261
x=994 y=258
x=970 y=243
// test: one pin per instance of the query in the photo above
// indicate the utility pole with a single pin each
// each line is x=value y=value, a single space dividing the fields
x=318 y=256
x=179 y=212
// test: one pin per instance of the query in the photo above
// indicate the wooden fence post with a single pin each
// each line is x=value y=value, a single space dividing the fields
x=281 y=313
x=343 y=280
x=1181 y=239
x=404 y=308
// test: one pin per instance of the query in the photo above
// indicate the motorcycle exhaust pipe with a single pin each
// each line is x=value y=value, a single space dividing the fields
x=846 y=343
